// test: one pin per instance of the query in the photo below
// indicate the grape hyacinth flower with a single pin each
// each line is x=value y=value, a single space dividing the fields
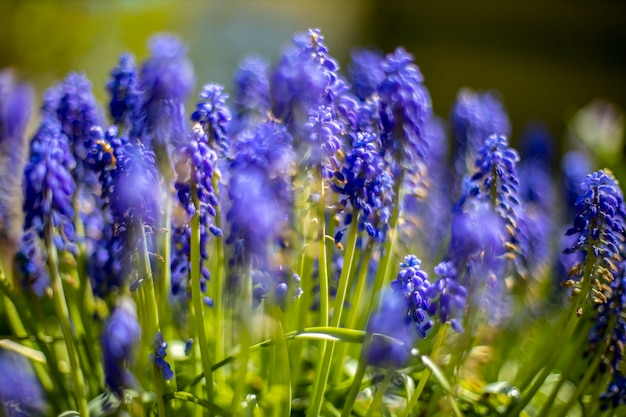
x=195 y=174
x=133 y=196
x=251 y=94
x=448 y=297
x=366 y=72
x=166 y=80
x=324 y=140
x=403 y=316
x=392 y=341
x=159 y=354
x=123 y=89
x=599 y=227
x=261 y=197
x=15 y=107
x=609 y=330
x=305 y=78
x=474 y=117
x=213 y=116
x=78 y=113
x=476 y=252
x=49 y=186
x=119 y=340
x=404 y=107
x=21 y=394
x=365 y=187
x=30 y=263
x=575 y=165
x=496 y=182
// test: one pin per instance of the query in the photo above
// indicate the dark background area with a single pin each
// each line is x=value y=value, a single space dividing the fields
x=546 y=58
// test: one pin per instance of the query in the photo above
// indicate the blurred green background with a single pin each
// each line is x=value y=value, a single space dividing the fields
x=546 y=58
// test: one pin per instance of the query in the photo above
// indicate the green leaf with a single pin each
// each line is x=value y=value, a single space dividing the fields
x=185 y=396
x=437 y=373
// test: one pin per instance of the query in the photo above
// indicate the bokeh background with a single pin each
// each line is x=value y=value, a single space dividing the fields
x=547 y=59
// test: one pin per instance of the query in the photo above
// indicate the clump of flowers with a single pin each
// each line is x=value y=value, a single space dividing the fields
x=312 y=186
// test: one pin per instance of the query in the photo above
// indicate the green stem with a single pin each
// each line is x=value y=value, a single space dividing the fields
x=574 y=357
x=60 y=306
x=356 y=384
x=589 y=373
x=380 y=393
x=164 y=285
x=550 y=363
x=218 y=277
x=355 y=308
x=384 y=268
x=242 y=320
x=151 y=317
x=196 y=293
x=158 y=382
x=324 y=369
x=426 y=374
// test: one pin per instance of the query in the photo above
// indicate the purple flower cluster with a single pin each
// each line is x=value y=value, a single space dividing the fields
x=213 y=115
x=119 y=339
x=123 y=88
x=448 y=297
x=404 y=107
x=598 y=224
x=474 y=117
x=48 y=184
x=15 y=108
x=31 y=266
x=261 y=198
x=324 y=136
x=21 y=393
x=365 y=186
x=159 y=354
x=305 y=78
x=599 y=229
x=366 y=72
x=402 y=317
x=251 y=95
x=199 y=161
x=75 y=107
x=166 y=80
x=496 y=181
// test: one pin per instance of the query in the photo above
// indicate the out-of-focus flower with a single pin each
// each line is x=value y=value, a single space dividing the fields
x=392 y=341
x=166 y=80
x=251 y=94
x=21 y=394
x=123 y=88
x=261 y=198
x=305 y=78
x=119 y=339
x=30 y=263
x=474 y=117
x=404 y=107
x=16 y=101
x=366 y=72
